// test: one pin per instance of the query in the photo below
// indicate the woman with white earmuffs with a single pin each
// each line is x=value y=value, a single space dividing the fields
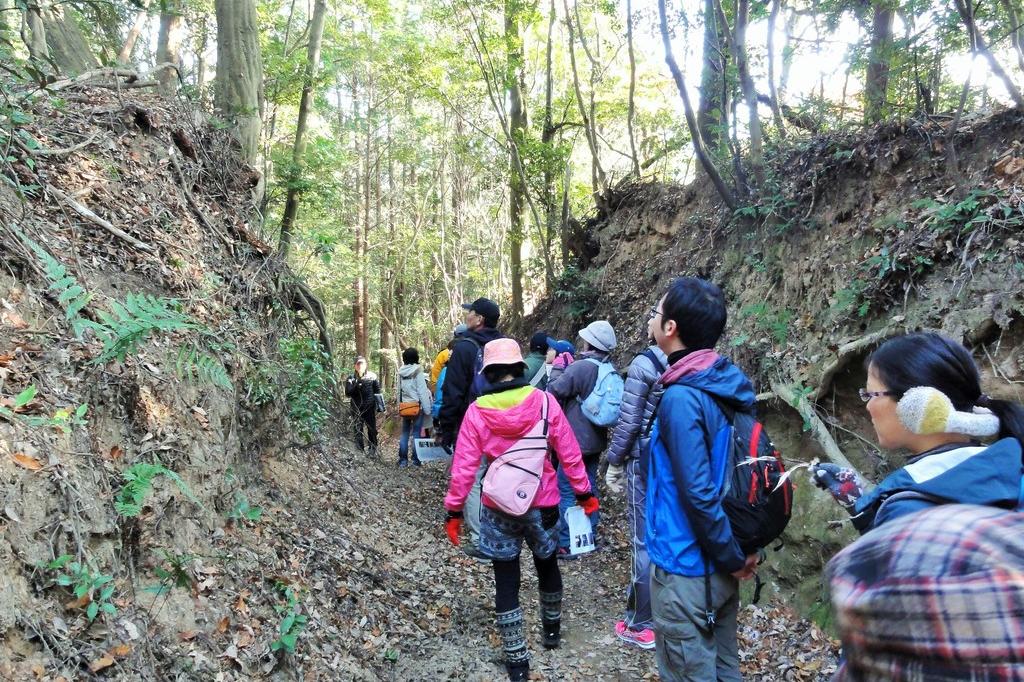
x=924 y=395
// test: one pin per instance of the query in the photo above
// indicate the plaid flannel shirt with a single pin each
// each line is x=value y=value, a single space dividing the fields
x=933 y=596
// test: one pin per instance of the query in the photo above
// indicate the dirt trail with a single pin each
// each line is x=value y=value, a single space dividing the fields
x=426 y=612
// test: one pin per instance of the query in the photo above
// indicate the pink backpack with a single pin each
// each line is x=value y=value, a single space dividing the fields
x=512 y=479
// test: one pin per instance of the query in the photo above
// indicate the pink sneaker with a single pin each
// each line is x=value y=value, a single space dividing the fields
x=642 y=638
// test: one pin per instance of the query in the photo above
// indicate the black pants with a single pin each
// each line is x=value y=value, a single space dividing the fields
x=507 y=577
x=368 y=418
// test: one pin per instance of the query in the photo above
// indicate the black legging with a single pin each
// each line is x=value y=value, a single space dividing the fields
x=507 y=578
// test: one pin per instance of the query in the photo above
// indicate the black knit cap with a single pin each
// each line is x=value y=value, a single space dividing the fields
x=539 y=342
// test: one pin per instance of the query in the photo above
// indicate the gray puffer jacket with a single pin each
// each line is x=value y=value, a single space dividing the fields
x=638 y=403
x=571 y=386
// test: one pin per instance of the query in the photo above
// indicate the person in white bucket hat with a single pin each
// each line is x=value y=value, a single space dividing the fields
x=571 y=383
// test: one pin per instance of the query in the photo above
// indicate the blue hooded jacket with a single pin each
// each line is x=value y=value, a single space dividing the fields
x=964 y=474
x=686 y=465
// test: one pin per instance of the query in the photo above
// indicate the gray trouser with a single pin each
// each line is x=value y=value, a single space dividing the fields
x=687 y=650
x=638 y=598
x=471 y=512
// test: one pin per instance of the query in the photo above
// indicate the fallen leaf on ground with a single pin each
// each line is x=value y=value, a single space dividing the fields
x=26 y=461
x=104 y=661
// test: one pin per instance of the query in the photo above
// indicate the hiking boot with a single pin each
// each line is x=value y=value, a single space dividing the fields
x=402 y=464
x=643 y=638
x=551 y=636
x=518 y=671
x=417 y=462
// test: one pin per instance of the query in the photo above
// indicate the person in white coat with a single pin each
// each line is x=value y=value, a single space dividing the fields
x=414 y=404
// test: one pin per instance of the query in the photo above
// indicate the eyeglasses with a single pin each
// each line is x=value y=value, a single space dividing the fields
x=654 y=312
x=868 y=395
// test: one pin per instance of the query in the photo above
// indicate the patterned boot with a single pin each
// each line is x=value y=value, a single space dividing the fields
x=551 y=619
x=513 y=641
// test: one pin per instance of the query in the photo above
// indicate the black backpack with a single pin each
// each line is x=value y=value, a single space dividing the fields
x=758 y=507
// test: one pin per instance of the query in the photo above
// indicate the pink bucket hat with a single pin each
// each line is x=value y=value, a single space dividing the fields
x=502 y=352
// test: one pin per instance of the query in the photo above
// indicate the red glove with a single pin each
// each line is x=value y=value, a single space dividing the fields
x=589 y=504
x=453 y=526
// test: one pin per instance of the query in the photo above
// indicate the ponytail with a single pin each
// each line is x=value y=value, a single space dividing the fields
x=1011 y=417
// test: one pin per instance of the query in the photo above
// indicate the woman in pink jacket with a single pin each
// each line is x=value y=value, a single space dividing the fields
x=506 y=412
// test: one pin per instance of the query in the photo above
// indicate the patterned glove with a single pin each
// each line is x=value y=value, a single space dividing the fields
x=562 y=360
x=588 y=502
x=841 y=482
x=615 y=477
x=453 y=526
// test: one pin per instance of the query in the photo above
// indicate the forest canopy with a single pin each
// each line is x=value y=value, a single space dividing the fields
x=415 y=155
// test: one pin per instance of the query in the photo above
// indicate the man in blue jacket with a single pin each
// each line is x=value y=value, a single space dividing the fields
x=697 y=562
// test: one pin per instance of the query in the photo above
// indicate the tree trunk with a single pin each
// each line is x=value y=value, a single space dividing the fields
x=362 y=331
x=239 y=87
x=66 y=44
x=631 y=106
x=966 y=11
x=773 y=93
x=712 y=117
x=876 y=81
x=598 y=181
x=125 y=55
x=547 y=139
x=728 y=196
x=517 y=128
x=1015 y=33
x=749 y=92
x=291 y=204
x=202 y=42
x=35 y=34
x=168 y=49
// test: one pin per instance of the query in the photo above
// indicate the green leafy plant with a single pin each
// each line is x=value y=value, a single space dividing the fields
x=242 y=510
x=70 y=294
x=132 y=322
x=768 y=319
x=177 y=573
x=138 y=482
x=195 y=363
x=579 y=290
x=292 y=622
x=85 y=581
x=308 y=385
x=63 y=419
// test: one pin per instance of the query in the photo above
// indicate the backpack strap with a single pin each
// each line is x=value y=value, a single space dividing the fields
x=537 y=377
x=655 y=360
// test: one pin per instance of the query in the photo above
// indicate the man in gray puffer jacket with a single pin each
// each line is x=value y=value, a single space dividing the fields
x=639 y=400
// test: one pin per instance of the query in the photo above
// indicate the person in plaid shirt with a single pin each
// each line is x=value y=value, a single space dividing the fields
x=933 y=596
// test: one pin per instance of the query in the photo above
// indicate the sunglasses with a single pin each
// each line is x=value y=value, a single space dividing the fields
x=868 y=395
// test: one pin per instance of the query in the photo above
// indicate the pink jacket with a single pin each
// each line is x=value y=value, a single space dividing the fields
x=493 y=423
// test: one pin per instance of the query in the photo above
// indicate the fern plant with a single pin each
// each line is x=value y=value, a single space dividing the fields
x=138 y=482
x=70 y=294
x=132 y=322
x=195 y=363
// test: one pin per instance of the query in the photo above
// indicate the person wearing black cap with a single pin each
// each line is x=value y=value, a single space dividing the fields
x=363 y=391
x=535 y=370
x=462 y=384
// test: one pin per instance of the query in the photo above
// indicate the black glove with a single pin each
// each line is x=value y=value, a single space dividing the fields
x=841 y=482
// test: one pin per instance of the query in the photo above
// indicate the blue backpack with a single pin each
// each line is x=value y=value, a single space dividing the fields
x=479 y=383
x=602 y=406
x=435 y=411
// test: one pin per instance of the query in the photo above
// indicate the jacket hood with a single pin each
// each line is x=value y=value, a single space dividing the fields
x=986 y=475
x=484 y=335
x=708 y=371
x=409 y=371
x=512 y=413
